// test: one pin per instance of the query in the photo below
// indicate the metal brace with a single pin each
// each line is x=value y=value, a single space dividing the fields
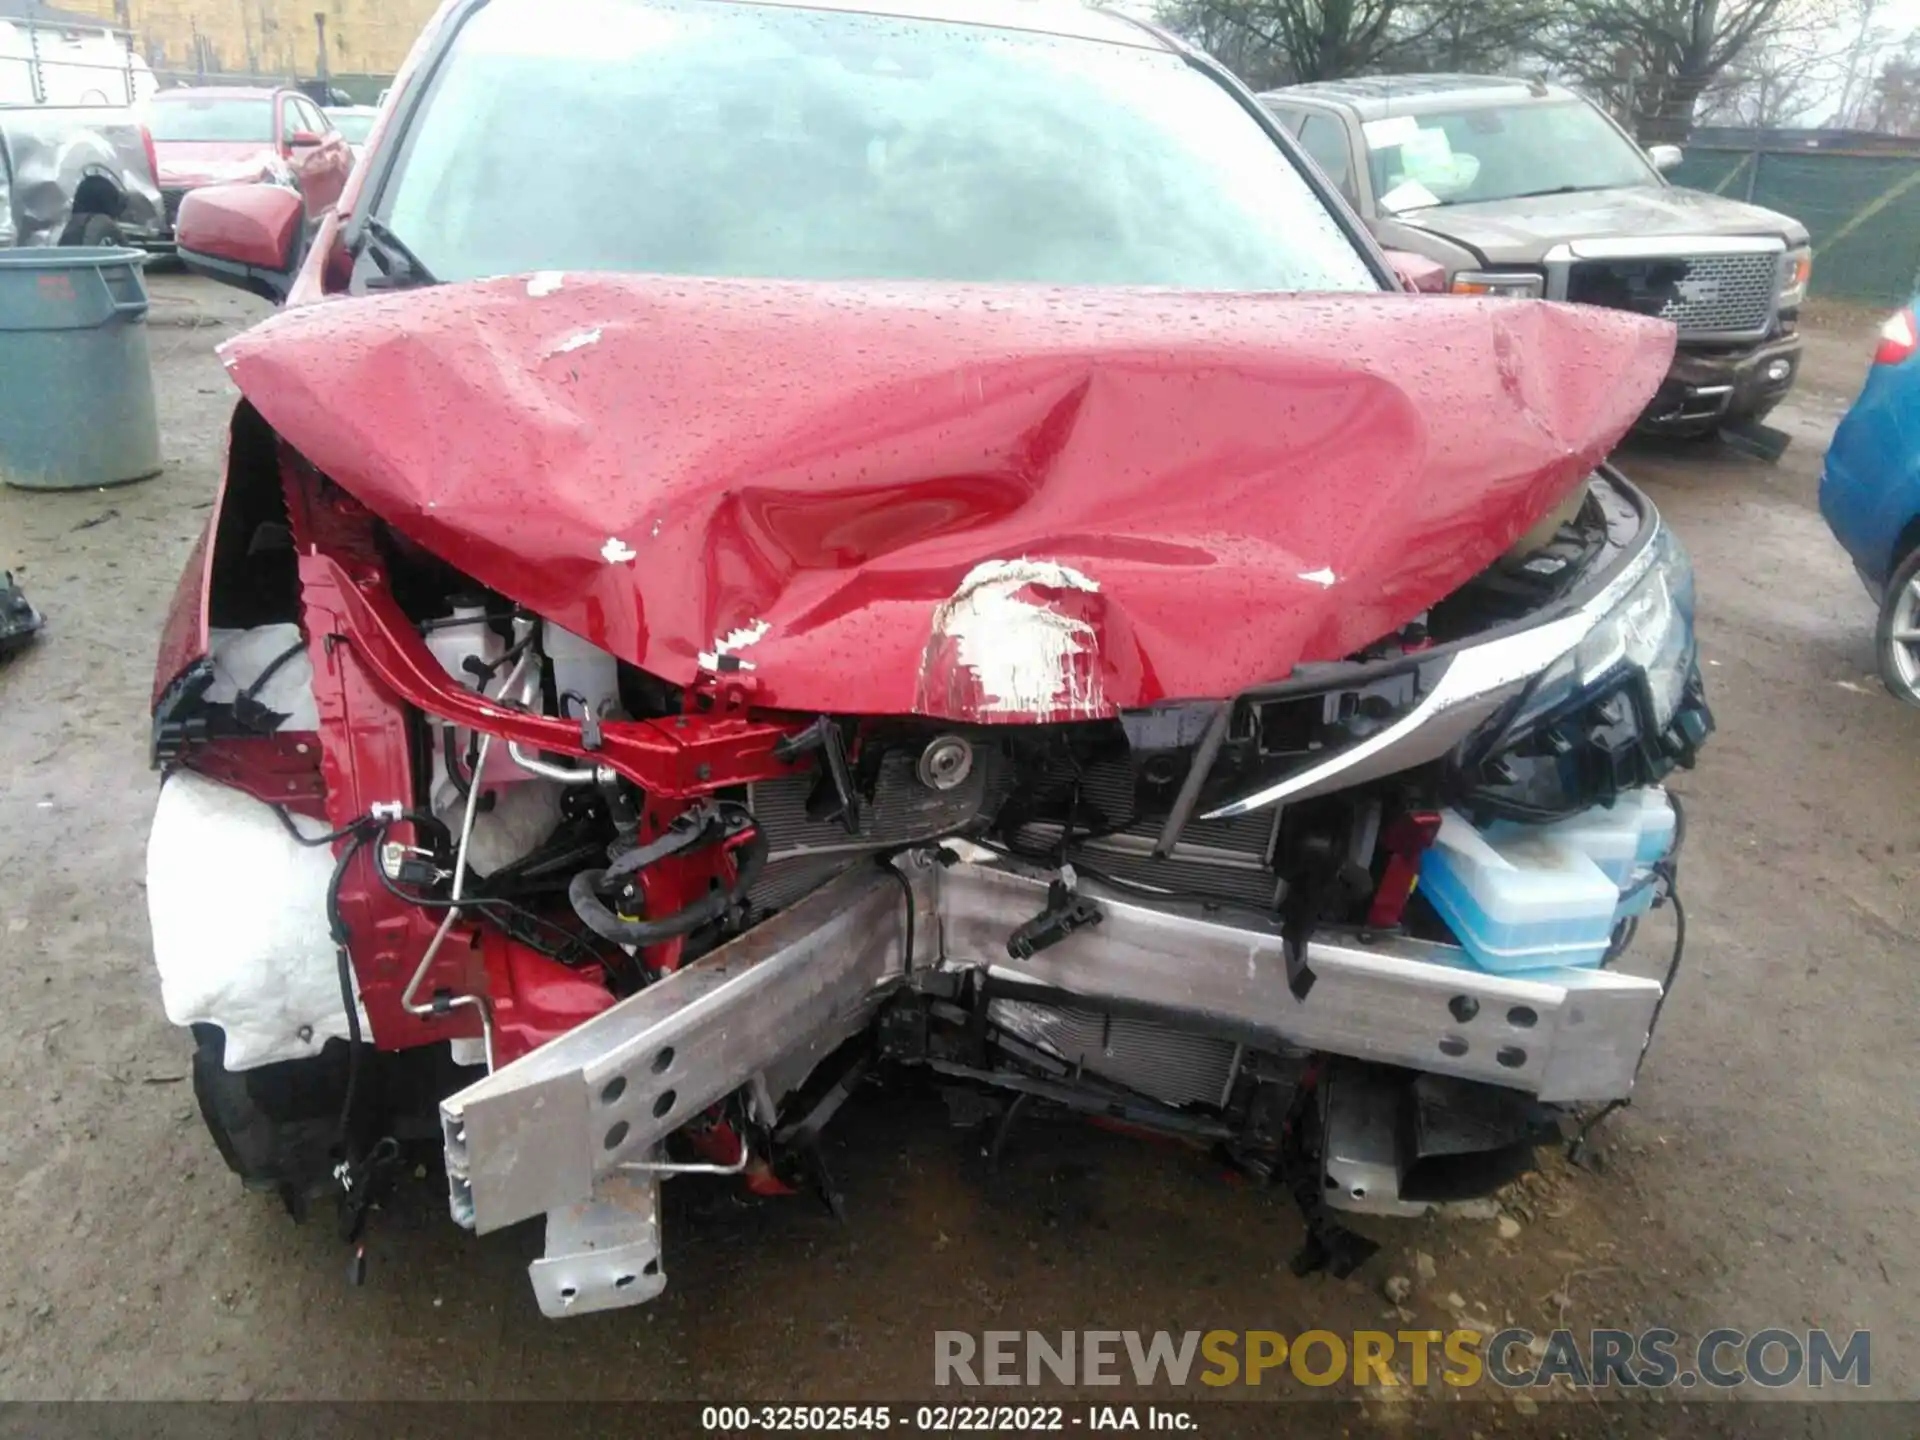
x=604 y=1254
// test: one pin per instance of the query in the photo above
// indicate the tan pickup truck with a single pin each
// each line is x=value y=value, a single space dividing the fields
x=1523 y=188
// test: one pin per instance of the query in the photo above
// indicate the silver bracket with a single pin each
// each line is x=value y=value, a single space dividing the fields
x=1360 y=1152
x=538 y=1134
x=603 y=1254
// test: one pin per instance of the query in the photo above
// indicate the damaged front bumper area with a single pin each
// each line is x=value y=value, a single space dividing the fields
x=1171 y=974
x=573 y=1127
x=678 y=928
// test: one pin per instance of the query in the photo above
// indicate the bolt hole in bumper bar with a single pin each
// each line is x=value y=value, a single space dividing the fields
x=561 y=1130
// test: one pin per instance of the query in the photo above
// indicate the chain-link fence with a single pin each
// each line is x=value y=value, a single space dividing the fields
x=1862 y=210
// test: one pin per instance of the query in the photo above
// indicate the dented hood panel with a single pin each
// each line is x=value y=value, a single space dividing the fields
x=975 y=503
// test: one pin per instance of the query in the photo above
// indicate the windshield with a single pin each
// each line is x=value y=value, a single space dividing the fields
x=353 y=128
x=1497 y=152
x=749 y=140
x=212 y=118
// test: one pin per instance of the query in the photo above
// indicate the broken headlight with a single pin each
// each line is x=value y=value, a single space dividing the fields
x=1621 y=708
x=1650 y=629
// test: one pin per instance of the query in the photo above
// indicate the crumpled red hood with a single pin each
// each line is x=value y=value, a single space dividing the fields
x=189 y=164
x=976 y=503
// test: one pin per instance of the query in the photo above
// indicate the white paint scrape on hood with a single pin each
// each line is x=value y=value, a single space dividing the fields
x=1027 y=657
x=240 y=925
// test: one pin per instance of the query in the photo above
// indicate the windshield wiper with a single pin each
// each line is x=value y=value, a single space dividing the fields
x=1554 y=190
x=400 y=268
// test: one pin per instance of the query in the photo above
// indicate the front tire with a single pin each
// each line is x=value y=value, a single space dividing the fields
x=93 y=230
x=1898 y=635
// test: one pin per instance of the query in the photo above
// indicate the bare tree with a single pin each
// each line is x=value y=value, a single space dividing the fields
x=1893 y=99
x=1778 y=79
x=1271 y=42
x=1655 y=59
x=1861 y=59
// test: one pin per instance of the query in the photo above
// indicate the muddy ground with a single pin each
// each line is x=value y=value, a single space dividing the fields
x=1766 y=1174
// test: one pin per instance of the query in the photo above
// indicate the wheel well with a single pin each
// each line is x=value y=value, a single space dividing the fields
x=254 y=579
x=97 y=195
x=1908 y=542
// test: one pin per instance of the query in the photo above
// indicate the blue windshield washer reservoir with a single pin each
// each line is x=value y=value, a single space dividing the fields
x=1519 y=898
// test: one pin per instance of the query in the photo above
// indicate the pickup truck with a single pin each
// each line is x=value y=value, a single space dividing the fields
x=76 y=164
x=1524 y=188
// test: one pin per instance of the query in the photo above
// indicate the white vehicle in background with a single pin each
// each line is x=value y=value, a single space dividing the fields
x=76 y=66
x=76 y=163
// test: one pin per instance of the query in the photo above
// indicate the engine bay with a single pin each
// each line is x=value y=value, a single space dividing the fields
x=534 y=840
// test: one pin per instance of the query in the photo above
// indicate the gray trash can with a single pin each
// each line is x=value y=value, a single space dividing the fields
x=76 y=382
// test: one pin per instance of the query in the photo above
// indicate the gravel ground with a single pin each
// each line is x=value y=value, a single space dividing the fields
x=1765 y=1175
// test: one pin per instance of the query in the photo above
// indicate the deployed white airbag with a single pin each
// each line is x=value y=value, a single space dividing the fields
x=242 y=657
x=240 y=925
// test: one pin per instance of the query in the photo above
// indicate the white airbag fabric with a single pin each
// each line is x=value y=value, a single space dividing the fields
x=239 y=923
x=240 y=657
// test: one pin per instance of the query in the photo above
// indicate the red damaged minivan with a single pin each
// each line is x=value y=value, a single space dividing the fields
x=776 y=546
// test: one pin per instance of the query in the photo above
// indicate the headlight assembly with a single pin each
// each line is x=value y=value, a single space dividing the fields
x=1515 y=284
x=1545 y=719
x=1652 y=630
x=1796 y=269
x=1620 y=708
x=1647 y=629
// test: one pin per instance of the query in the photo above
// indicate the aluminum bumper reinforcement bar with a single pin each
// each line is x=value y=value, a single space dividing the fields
x=549 y=1131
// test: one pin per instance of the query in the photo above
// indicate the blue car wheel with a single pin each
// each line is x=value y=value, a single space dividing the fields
x=1899 y=631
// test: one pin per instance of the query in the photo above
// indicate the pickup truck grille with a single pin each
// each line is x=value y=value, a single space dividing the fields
x=1704 y=295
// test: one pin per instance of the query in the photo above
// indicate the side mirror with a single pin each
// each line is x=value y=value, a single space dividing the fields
x=1417 y=272
x=244 y=235
x=1665 y=157
x=303 y=140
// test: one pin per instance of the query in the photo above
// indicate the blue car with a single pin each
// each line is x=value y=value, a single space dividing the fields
x=1870 y=496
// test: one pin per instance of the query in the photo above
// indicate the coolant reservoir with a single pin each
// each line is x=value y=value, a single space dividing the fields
x=581 y=670
x=460 y=635
x=1545 y=528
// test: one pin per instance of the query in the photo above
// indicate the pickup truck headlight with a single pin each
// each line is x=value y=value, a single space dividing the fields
x=1796 y=269
x=1515 y=283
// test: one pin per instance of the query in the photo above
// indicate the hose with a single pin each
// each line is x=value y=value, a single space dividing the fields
x=1669 y=873
x=270 y=669
x=461 y=781
x=337 y=928
x=749 y=860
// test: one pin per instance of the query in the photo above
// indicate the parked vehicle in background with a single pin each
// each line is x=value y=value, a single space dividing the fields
x=1093 y=599
x=1522 y=188
x=1870 y=496
x=57 y=64
x=76 y=164
x=214 y=135
x=355 y=124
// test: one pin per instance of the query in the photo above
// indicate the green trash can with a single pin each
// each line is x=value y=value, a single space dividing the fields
x=76 y=382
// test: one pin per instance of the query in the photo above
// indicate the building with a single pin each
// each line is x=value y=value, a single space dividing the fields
x=362 y=39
